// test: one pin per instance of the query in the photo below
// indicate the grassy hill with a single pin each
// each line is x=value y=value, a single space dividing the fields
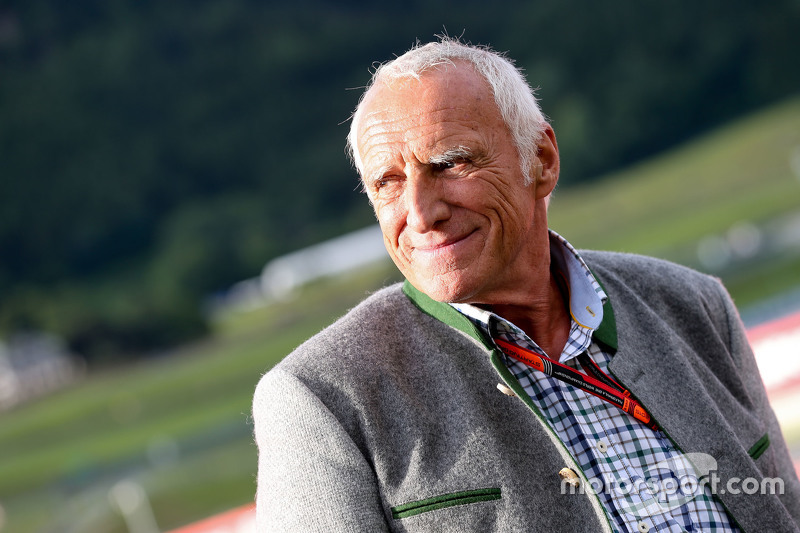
x=740 y=172
x=179 y=426
x=745 y=175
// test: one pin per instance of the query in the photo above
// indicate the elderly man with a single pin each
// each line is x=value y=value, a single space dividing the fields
x=511 y=383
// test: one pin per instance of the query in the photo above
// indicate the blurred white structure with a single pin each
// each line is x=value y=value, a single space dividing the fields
x=336 y=256
x=134 y=506
x=31 y=365
x=775 y=347
x=283 y=275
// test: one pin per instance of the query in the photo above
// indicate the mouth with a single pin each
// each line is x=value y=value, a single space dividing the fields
x=446 y=245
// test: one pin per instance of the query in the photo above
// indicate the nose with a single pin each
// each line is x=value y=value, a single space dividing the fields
x=425 y=202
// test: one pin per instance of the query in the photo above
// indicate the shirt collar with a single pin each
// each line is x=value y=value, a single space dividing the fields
x=586 y=296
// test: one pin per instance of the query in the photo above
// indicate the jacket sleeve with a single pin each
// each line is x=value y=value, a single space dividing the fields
x=743 y=353
x=311 y=475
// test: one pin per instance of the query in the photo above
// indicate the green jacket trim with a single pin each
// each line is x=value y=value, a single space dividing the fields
x=606 y=332
x=445 y=500
x=758 y=449
x=445 y=313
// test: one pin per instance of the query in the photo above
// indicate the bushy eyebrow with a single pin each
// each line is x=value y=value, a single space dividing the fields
x=450 y=155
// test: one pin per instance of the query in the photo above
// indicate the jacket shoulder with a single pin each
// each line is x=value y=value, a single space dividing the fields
x=372 y=320
x=644 y=272
x=371 y=339
x=674 y=295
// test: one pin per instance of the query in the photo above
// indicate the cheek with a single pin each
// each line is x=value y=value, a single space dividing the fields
x=510 y=221
x=502 y=210
x=391 y=222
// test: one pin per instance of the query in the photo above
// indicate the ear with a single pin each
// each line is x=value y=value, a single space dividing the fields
x=546 y=165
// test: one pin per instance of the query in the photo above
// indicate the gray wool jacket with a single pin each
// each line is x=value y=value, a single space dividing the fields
x=391 y=419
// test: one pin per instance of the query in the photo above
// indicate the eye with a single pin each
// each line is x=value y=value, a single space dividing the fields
x=459 y=159
x=386 y=186
x=383 y=182
x=444 y=165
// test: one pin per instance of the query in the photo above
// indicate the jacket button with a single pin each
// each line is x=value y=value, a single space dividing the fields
x=505 y=390
x=569 y=477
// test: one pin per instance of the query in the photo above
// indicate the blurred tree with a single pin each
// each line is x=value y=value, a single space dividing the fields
x=157 y=151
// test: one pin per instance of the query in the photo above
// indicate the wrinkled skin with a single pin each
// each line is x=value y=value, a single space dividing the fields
x=442 y=173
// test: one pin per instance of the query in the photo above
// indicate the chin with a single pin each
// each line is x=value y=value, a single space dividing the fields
x=445 y=290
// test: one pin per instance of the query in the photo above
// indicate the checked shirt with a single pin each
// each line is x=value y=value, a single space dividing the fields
x=642 y=481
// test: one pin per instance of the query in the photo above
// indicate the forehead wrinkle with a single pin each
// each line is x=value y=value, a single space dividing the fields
x=386 y=119
x=419 y=131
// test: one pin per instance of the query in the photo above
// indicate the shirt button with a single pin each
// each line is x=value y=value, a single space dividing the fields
x=505 y=390
x=643 y=527
x=602 y=446
x=569 y=477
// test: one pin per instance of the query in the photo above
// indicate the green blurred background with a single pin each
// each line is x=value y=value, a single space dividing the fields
x=153 y=154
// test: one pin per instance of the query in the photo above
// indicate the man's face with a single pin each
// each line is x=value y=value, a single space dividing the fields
x=442 y=172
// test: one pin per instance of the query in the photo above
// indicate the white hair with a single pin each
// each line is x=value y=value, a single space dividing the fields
x=513 y=96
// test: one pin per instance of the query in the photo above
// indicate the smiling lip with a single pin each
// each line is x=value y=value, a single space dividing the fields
x=433 y=248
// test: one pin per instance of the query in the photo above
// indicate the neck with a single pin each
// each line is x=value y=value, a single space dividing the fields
x=534 y=301
x=544 y=317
